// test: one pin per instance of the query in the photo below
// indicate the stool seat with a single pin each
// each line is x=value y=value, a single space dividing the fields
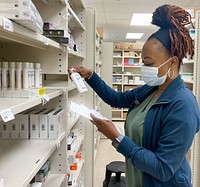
x=117 y=167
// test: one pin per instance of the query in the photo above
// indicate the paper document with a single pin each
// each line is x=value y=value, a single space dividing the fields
x=85 y=111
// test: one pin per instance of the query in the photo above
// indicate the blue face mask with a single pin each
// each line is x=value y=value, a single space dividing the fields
x=150 y=75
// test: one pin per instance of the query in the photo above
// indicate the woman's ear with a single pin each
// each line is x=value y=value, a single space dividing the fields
x=174 y=61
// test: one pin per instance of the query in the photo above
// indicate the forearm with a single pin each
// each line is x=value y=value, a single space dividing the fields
x=107 y=94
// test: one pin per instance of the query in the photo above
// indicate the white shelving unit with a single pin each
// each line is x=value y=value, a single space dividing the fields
x=26 y=45
x=126 y=72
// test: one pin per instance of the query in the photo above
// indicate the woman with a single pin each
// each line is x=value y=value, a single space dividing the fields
x=163 y=115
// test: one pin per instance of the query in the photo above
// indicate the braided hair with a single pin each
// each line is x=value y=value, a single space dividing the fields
x=172 y=33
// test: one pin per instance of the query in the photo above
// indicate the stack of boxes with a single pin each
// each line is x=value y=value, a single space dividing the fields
x=34 y=124
x=23 y=12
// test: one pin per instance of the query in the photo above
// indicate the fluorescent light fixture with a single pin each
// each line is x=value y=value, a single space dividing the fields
x=134 y=35
x=141 y=19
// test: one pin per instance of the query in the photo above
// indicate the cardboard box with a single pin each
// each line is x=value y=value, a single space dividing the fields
x=44 y=123
x=24 y=124
x=34 y=125
x=55 y=123
x=100 y=32
x=14 y=128
x=14 y=4
x=5 y=130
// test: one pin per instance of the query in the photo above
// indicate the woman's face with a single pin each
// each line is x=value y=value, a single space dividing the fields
x=154 y=54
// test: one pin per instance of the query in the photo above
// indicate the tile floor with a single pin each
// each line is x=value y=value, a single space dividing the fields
x=106 y=153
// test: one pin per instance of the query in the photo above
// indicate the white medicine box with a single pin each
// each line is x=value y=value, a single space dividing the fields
x=22 y=4
x=43 y=126
x=24 y=125
x=55 y=123
x=14 y=128
x=5 y=130
x=34 y=125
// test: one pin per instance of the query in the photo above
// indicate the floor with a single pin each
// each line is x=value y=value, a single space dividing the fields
x=106 y=153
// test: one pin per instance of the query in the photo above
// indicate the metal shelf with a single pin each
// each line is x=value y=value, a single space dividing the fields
x=76 y=173
x=73 y=53
x=17 y=33
x=76 y=145
x=72 y=121
x=26 y=157
x=18 y=105
x=54 y=180
x=74 y=21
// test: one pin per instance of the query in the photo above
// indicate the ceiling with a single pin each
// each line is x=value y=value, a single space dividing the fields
x=115 y=16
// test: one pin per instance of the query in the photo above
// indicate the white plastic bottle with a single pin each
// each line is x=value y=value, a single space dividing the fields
x=19 y=75
x=38 y=75
x=26 y=75
x=12 y=75
x=5 y=75
x=78 y=81
x=32 y=75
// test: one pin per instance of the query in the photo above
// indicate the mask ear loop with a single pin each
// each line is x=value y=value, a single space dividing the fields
x=171 y=75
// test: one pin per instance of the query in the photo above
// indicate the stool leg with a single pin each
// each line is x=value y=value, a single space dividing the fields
x=107 y=178
x=118 y=176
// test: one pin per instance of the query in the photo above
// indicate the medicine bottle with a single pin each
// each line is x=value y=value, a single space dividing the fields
x=32 y=75
x=38 y=75
x=5 y=75
x=26 y=75
x=19 y=75
x=12 y=75
x=78 y=81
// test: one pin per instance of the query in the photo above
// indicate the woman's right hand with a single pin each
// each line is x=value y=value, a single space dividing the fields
x=82 y=70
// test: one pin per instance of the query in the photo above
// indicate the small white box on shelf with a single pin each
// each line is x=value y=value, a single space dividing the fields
x=24 y=125
x=29 y=93
x=43 y=120
x=55 y=123
x=7 y=93
x=5 y=131
x=34 y=125
x=14 y=4
x=14 y=128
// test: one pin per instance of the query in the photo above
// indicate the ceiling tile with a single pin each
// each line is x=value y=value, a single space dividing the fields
x=118 y=16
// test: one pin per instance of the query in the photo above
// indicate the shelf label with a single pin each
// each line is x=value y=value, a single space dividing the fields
x=45 y=99
x=7 y=115
x=7 y=25
x=46 y=41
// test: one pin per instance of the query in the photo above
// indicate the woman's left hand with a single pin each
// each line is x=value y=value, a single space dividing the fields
x=106 y=127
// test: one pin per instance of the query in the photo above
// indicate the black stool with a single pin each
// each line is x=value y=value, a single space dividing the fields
x=117 y=167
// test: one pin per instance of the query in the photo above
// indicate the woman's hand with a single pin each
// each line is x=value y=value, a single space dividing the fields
x=82 y=70
x=106 y=127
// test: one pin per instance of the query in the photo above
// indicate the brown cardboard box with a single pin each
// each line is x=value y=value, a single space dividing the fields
x=100 y=32
x=126 y=53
